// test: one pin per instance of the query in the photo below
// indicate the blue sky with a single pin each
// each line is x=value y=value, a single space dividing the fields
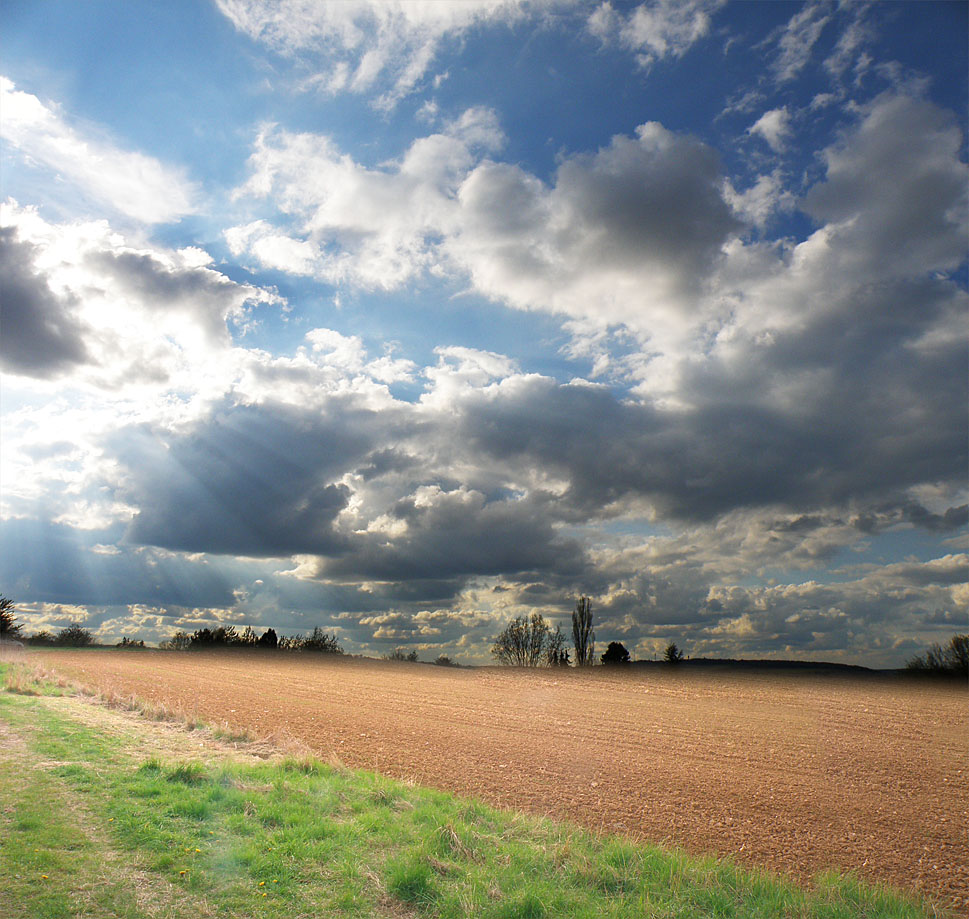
x=404 y=319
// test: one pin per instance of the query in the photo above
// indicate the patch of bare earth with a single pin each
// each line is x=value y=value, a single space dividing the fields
x=795 y=773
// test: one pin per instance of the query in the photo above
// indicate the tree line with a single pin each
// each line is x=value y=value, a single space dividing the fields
x=527 y=641
x=227 y=636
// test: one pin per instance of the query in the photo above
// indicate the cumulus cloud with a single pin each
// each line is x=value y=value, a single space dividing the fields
x=895 y=183
x=774 y=127
x=763 y=200
x=371 y=227
x=802 y=376
x=42 y=335
x=79 y=298
x=131 y=183
x=628 y=235
x=247 y=480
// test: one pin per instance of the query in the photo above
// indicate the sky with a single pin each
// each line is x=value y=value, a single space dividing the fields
x=406 y=319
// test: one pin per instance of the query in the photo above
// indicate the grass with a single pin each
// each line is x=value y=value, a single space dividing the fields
x=90 y=826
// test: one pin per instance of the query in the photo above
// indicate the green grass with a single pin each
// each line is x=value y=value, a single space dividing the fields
x=117 y=833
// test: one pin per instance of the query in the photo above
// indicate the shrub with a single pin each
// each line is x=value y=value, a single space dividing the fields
x=248 y=637
x=130 y=643
x=221 y=636
x=616 y=654
x=319 y=641
x=399 y=654
x=42 y=638
x=444 y=661
x=74 y=636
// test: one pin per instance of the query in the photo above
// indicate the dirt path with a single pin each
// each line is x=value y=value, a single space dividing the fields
x=794 y=773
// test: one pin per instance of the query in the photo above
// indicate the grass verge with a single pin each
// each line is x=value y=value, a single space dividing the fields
x=91 y=826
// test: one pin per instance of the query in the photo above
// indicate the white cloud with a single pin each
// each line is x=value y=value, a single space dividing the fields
x=136 y=185
x=272 y=249
x=762 y=200
x=130 y=317
x=655 y=29
x=896 y=184
x=797 y=40
x=774 y=127
x=849 y=51
x=366 y=43
x=627 y=235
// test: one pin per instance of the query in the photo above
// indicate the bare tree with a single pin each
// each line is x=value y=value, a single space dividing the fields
x=583 y=638
x=555 y=647
x=527 y=641
x=954 y=658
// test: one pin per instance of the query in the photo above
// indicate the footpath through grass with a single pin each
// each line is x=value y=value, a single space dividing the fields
x=92 y=826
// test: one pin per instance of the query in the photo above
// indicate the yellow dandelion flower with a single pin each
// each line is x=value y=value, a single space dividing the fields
x=45 y=877
x=264 y=893
x=262 y=883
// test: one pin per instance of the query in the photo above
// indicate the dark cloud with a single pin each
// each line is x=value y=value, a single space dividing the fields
x=656 y=197
x=842 y=443
x=41 y=336
x=249 y=480
x=459 y=533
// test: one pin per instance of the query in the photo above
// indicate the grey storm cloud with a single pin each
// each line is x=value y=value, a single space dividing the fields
x=460 y=533
x=41 y=336
x=250 y=480
x=845 y=443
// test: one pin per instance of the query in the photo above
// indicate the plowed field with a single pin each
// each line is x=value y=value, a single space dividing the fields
x=795 y=773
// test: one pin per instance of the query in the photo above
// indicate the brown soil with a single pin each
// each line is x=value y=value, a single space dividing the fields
x=795 y=773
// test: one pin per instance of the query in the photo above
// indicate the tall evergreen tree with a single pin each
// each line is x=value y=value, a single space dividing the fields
x=9 y=627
